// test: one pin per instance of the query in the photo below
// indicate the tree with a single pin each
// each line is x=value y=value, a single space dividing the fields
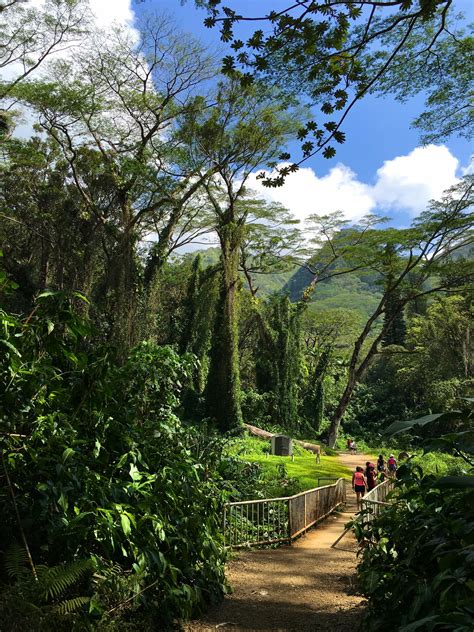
x=245 y=129
x=278 y=358
x=442 y=66
x=424 y=252
x=49 y=238
x=394 y=320
x=120 y=100
x=326 y=338
x=29 y=36
x=329 y=52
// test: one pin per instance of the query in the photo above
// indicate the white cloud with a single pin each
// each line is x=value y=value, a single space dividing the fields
x=106 y=12
x=405 y=183
x=304 y=193
x=409 y=182
x=468 y=170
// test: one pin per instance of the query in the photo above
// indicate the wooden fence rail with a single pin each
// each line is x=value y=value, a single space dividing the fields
x=271 y=520
x=375 y=500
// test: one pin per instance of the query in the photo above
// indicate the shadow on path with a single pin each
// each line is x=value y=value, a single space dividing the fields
x=306 y=586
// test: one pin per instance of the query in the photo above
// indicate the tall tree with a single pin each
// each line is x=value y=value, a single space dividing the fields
x=29 y=35
x=245 y=130
x=121 y=98
x=422 y=250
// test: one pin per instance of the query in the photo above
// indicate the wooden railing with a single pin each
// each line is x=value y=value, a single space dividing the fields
x=375 y=500
x=271 y=520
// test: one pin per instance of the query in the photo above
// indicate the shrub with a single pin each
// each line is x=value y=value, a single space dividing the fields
x=417 y=563
x=101 y=468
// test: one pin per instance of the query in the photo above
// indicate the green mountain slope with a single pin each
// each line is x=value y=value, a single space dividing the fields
x=354 y=291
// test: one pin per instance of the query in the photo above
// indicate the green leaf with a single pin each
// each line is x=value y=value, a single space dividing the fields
x=125 y=521
x=67 y=453
x=402 y=426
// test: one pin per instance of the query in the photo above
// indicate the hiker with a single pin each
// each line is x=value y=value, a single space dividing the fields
x=381 y=470
x=359 y=485
x=391 y=466
x=349 y=441
x=370 y=475
x=353 y=447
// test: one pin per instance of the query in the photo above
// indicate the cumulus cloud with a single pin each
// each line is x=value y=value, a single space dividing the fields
x=409 y=182
x=304 y=193
x=404 y=183
x=107 y=12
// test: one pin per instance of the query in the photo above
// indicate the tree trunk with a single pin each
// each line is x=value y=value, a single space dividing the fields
x=339 y=412
x=223 y=383
x=123 y=305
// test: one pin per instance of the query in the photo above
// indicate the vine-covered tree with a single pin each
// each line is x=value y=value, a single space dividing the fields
x=245 y=130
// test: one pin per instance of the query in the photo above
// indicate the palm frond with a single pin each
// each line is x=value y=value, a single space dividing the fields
x=56 y=580
x=72 y=605
x=16 y=561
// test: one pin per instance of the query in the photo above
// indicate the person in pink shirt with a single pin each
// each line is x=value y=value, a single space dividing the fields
x=392 y=466
x=359 y=485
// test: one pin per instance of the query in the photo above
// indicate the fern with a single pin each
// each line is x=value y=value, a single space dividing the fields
x=56 y=580
x=16 y=560
x=72 y=605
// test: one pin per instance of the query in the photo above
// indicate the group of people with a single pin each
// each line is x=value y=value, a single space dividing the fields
x=365 y=480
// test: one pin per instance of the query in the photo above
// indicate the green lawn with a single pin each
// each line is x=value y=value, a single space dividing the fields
x=301 y=473
x=304 y=469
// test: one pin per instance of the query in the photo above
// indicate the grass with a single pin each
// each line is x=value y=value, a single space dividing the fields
x=304 y=469
x=297 y=475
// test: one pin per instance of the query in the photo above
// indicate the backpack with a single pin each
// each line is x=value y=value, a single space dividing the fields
x=392 y=465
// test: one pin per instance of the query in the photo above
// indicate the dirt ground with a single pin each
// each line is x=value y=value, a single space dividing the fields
x=308 y=586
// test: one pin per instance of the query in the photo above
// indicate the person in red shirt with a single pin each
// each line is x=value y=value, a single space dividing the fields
x=370 y=476
x=359 y=485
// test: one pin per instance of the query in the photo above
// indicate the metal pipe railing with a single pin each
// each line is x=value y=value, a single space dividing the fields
x=374 y=501
x=272 y=520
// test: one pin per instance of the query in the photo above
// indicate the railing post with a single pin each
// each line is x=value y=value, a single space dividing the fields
x=290 y=533
x=224 y=523
x=305 y=521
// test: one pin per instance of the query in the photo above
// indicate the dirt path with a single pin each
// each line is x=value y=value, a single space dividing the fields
x=306 y=587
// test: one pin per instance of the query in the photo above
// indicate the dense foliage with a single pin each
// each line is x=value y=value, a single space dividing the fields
x=418 y=559
x=127 y=368
x=100 y=468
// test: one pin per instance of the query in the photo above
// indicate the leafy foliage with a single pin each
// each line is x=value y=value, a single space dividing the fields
x=418 y=557
x=101 y=466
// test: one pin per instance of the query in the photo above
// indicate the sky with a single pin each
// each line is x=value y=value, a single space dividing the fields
x=381 y=168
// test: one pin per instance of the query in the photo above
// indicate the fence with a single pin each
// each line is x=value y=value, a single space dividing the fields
x=271 y=520
x=374 y=501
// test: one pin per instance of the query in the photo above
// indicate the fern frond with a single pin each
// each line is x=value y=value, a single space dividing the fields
x=56 y=580
x=72 y=605
x=16 y=560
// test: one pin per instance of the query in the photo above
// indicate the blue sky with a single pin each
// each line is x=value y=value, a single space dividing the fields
x=381 y=167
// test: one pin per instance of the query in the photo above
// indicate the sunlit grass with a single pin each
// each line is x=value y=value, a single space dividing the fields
x=303 y=468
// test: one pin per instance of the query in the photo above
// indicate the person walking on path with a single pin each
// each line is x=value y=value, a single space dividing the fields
x=359 y=485
x=392 y=466
x=370 y=475
x=381 y=470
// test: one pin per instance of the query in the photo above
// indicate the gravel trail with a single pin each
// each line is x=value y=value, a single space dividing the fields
x=308 y=586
